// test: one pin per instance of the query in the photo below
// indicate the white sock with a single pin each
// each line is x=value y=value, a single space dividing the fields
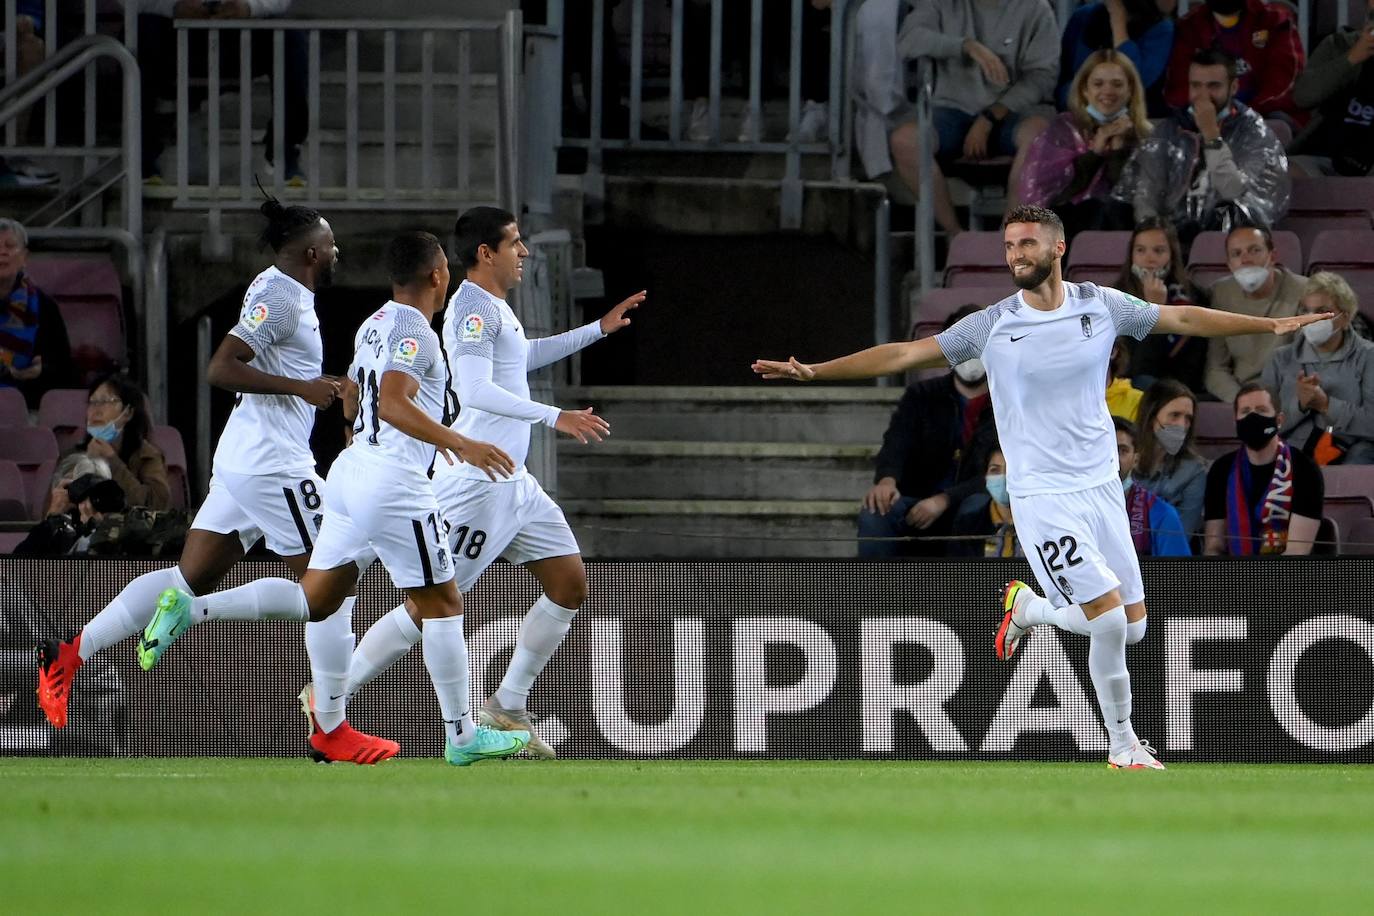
x=329 y=643
x=446 y=657
x=385 y=641
x=1111 y=680
x=540 y=634
x=1135 y=631
x=262 y=599
x=1037 y=610
x=130 y=610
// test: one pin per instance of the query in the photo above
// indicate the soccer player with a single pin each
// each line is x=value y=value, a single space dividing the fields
x=264 y=482
x=490 y=359
x=1046 y=350
x=382 y=506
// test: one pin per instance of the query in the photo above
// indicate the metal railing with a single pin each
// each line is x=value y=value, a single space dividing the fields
x=405 y=178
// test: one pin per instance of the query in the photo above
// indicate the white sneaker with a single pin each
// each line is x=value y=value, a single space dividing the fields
x=699 y=125
x=1013 y=626
x=750 y=128
x=815 y=118
x=1140 y=757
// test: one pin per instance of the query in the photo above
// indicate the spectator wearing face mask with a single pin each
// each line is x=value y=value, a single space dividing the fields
x=1214 y=165
x=1266 y=496
x=1262 y=38
x=1166 y=463
x=930 y=460
x=1325 y=378
x=1155 y=271
x=1339 y=84
x=117 y=431
x=987 y=514
x=1155 y=526
x=1258 y=285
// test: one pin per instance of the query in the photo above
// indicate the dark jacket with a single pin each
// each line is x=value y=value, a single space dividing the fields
x=53 y=345
x=922 y=448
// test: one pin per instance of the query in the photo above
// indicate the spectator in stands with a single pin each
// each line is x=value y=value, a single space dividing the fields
x=1137 y=29
x=932 y=457
x=1263 y=40
x=35 y=354
x=86 y=502
x=1166 y=462
x=1265 y=497
x=1155 y=271
x=72 y=466
x=987 y=514
x=1325 y=378
x=1155 y=526
x=29 y=52
x=1123 y=399
x=1072 y=166
x=877 y=82
x=1339 y=84
x=1258 y=285
x=1214 y=164
x=119 y=432
x=158 y=62
x=986 y=103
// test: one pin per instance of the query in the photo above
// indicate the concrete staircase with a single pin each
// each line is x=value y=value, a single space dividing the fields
x=723 y=472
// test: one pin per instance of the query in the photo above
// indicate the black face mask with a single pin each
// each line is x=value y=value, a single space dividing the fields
x=1256 y=430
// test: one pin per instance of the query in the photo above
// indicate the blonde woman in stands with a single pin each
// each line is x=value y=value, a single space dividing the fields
x=1073 y=165
x=119 y=433
x=1325 y=378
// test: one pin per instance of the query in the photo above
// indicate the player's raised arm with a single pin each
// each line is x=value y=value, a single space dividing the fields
x=884 y=359
x=1196 y=321
x=544 y=351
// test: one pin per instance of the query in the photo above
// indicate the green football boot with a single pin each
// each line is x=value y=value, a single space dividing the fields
x=487 y=744
x=173 y=618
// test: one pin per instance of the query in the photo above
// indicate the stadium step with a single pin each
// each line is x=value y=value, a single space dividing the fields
x=763 y=413
x=713 y=528
x=639 y=469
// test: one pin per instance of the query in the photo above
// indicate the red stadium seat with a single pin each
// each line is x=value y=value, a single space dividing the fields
x=1332 y=196
x=938 y=304
x=1096 y=257
x=1307 y=228
x=1207 y=257
x=34 y=450
x=1281 y=130
x=168 y=439
x=975 y=259
x=1349 y=481
x=95 y=328
x=14 y=496
x=1359 y=539
x=11 y=539
x=63 y=410
x=14 y=411
x=1343 y=251
x=1216 y=429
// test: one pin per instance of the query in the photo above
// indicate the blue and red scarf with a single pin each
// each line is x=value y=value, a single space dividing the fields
x=19 y=325
x=1261 y=529
x=1139 y=502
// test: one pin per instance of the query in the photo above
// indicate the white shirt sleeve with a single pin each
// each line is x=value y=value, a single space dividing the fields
x=472 y=376
x=1132 y=316
x=546 y=350
x=966 y=338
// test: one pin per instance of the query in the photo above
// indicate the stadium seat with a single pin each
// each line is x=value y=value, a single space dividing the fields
x=1349 y=481
x=1216 y=429
x=1096 y=257
x=1332 y=196
x=1207 y=257
x=1345 y=251
x=1307 y=228
x=14 y=497
x=1359 y=540
x=168 y=439
x=96 y=330
x=14 y=411
x=1348 y=512
x=63 y=410
x=975 y=258
x=1281 y=130
x=1328 y=541
x=938 y=304
x=34 y=450
x=11 y=539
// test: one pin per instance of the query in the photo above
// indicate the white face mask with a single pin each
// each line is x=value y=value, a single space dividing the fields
x=1147 y=273
x=971 y=371
x=1319 y=332
x=1251 y=278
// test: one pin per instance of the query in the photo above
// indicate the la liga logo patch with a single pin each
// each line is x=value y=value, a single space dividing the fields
x=472 y=327
x=406 y=351
x=255 y=315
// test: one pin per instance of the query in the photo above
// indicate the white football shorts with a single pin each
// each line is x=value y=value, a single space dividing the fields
x=287 y=509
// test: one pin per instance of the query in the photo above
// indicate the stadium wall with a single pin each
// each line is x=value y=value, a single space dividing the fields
x=1245 y=660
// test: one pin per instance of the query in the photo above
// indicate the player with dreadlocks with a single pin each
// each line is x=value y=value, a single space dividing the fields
x=264 y=483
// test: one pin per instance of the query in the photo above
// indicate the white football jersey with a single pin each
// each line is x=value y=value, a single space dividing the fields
x=396 y=338
x=1047 y=374
x=270 y=433
x=490 y=360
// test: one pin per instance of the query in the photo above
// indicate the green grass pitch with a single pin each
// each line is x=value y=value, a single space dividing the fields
x=252 y=836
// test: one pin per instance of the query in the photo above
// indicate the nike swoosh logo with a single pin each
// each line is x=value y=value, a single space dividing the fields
x=1022 y=337
x=336 y=696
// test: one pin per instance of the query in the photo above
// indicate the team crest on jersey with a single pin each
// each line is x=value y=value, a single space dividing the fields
x=1065 y=587
x=1086 y=322
x=318 y=520
x=255 y=315
x=443 y=559
x=472 y=327
x=406 y=351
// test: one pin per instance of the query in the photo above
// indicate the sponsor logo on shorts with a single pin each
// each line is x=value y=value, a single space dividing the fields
x=472 y=327
x=406 y=351
x=255 y=315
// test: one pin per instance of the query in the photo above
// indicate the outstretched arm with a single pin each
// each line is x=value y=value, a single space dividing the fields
x=884 y=359
x=546 y=350
x=1196 y=321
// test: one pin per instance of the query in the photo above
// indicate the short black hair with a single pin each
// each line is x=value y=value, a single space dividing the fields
x=1211 y=57
x=1262 y=230
x=1028 y=213
x=410 y=256
x=477 y=227
x=286 y=224
x=1252 y=387
x=1125 y=426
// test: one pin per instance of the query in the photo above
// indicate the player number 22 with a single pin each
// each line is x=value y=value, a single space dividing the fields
x=1070 y=548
